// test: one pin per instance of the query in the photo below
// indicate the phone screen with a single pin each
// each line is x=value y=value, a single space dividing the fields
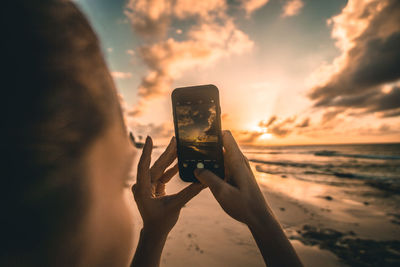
x=198 y=130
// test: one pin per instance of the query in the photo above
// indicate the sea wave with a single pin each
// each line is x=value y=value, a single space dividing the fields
x=375 y=165
x=333 y=153
x=286 y=163
x=338 y=174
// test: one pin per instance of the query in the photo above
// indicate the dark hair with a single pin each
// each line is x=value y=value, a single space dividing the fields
x=57 y=97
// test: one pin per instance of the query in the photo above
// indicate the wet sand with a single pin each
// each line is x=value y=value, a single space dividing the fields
x=327 y=226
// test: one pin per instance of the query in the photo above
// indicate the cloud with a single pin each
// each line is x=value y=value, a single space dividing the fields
x=279 y=130
x=286 y=126
x=305 y=123
x=368 y=35
x=151 y=18
x=121 y=75
x=211 y=36
x=130 y=52
x=330 y=114
x=207 y=43
x=283 y=127
x=248 y=137
x=372 y=101
x=163 y=130
x=148 y=17
x=279 y=127
x=250 y=6
x=381 y=130
x=292 y=8
x=268 y=123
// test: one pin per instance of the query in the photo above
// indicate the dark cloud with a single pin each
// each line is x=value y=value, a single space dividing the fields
x=372 y=61
x=305 y=123
x=371 y=101
x=249 y=136
x=275 y=126
x=281 y=128
x=330 y=114
x=268 y=123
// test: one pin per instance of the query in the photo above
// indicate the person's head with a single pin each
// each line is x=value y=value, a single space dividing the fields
x=65 y=153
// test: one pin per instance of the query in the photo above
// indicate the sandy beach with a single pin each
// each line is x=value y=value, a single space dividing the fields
x=328 y=225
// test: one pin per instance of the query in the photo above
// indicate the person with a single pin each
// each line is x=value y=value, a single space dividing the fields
x=67 y=157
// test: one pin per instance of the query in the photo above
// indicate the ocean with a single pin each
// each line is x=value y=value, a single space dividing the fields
x=375 y=165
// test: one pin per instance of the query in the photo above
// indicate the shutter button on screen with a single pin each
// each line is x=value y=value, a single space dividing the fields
x=200 y=165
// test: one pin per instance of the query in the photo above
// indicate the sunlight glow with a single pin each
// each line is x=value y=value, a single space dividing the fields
x=265 y=136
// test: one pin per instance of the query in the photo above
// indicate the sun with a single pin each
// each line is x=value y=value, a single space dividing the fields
x=265 y=135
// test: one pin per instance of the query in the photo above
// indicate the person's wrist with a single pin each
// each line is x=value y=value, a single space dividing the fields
x=260 y=220
x=154 y=233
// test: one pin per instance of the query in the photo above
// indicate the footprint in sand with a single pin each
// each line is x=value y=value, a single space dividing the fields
x=193 y=244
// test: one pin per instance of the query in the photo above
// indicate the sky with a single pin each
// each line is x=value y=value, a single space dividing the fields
x=288 y=71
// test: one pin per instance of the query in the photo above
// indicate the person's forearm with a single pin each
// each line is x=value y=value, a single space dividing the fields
x=273 y=243
x=149 y=249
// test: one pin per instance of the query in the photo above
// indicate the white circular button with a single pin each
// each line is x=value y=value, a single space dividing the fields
x=200 y=165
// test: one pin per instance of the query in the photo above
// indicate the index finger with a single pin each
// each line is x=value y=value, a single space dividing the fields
x=165 y=160
x=234 y=159
x=143 y=171
x=231 y=147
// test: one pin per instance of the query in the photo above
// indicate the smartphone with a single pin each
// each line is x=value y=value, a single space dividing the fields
x=197 y=121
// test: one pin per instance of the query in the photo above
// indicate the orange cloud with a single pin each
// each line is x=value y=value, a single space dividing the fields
x=121 y=75
x=250 y=6
x=130 y=52
x=292 y=8
x=207 y=43
x=276 y=127
x=213 y=36
x=151 y=18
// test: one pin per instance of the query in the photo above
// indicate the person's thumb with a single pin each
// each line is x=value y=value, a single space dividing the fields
x=209 y=179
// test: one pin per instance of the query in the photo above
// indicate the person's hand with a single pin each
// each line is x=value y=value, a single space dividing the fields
x=159 y=211
x=240 y=197
x=239 y=194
